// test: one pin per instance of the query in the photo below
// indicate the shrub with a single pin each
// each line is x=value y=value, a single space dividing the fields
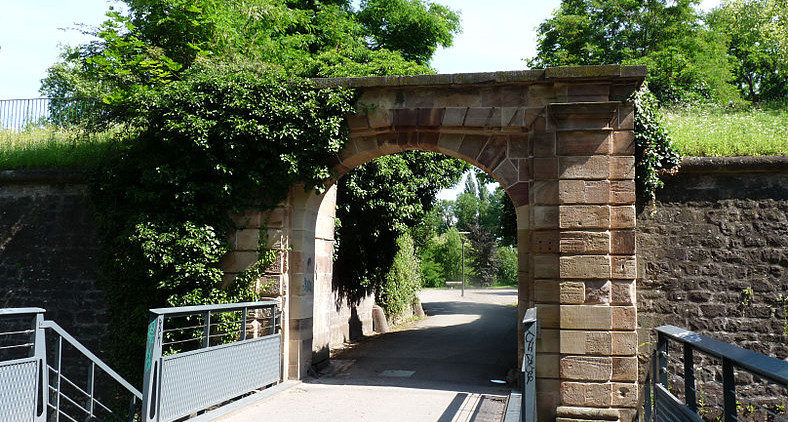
x=403 y=280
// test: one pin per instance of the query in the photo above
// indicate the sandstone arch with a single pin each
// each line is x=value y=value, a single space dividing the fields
x=560 y=142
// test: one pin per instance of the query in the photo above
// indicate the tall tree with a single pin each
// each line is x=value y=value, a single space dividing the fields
x=758 y=33
x=666 y=35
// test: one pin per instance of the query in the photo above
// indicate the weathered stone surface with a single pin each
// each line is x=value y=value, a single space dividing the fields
x=573 y=293
x=584 y=167
x=584 y=216
x=586 y=394
x=585 y=242
x=625 y=369
x=586 y=317
x=586 y=342
x=584 y=267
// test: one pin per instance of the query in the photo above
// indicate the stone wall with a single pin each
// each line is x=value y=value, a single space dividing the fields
x=713 y=253
x=49 y=251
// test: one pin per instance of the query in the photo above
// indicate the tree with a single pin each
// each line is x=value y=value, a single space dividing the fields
x=378 y=202
x=666 y=35
x=758 y=34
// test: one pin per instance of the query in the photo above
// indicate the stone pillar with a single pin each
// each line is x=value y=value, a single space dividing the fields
x=589 y=251
x=324 y=264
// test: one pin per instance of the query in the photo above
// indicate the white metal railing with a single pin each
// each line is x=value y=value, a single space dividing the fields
x=201 y=356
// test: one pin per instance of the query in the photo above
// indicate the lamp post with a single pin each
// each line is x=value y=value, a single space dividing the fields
x=462 y=240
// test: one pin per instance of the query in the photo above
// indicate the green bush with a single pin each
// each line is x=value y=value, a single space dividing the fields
x=403 y=280
x=225 y=137
x=507 y=266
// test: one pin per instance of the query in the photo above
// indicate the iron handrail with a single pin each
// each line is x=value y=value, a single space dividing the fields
x=93 y=358
x=20 y=311
x=764 y=366
x=223 y=307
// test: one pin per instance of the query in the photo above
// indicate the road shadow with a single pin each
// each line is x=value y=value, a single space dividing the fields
x=460 y=346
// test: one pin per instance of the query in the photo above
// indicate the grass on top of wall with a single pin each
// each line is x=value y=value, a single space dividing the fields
x=51 y=148
x=711 y=131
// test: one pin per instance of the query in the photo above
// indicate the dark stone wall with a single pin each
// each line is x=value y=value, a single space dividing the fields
x=713 y=253
x=49 y=251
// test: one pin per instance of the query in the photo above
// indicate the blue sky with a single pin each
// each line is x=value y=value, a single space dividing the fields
x=497 y=35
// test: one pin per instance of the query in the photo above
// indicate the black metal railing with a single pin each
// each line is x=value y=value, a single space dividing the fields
x=697 y=378
x=25 y=113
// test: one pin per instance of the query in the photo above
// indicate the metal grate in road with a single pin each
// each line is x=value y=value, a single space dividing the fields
x=481 y=408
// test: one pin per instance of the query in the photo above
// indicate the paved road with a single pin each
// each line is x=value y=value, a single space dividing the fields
x=439 y=369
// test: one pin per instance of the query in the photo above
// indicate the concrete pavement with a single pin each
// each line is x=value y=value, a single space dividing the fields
x=437 y=369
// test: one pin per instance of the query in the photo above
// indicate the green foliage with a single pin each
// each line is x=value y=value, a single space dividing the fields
x=378 y=202
x=392 y=23
x=507 y=265
x=483 y=258
x=725 y=132
x=758 y=42
x=224 y=137
x=684 y=59
x=654 y=151
x=441 y=259
x=402 y=281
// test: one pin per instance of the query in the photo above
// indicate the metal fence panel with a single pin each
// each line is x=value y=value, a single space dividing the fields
x=196 y=380
x=18 y=390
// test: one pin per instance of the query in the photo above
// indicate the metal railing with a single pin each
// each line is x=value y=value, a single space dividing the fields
x=36 y=385
x=19 y=114
x=201 y=356
x=715 y=380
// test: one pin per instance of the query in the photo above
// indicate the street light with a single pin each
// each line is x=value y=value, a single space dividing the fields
x=462 y=241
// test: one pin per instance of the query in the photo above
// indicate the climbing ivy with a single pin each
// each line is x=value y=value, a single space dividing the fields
x=224 y=137
x=655 y=155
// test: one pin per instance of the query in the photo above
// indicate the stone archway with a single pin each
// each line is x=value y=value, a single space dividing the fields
x=560 y=142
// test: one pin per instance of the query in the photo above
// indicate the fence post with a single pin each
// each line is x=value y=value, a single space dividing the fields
x=728 y=391
x=530 y=332
x=151 y=382
x=40 y=353
x=689 y=379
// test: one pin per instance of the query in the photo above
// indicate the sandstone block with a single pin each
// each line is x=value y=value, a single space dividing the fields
x=544 y=241
x=623 y=142
x=545 y=266
x=549 y=316
x=622 y=292
x=545 y=192
x=584 y=242
x=525 y=173
x=519 y=193
x=625 y=369
x=583 y=142
x=519 y=146
x=549 y=343
x=584 y=267
x=507 y=173
x=543 y=143
x=622 y=168
x=597 y=292
x=572 y=293
x=624 y=343
x=586 y=368
x=586 y=394
x=584 y=216
x=586 y=317
x=548 y=366
x=624 y=394
x=546 y=291
x=624 y=318
x=545 y=168
x=622 y=217
x=622 y=192
x=454 y=116
x=545 y=217
x=622 y=242
x=623 y=267
x=584 y=167
x=586 y=342
x=523 y=213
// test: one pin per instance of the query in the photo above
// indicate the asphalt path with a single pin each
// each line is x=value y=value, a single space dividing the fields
x=440 y=368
